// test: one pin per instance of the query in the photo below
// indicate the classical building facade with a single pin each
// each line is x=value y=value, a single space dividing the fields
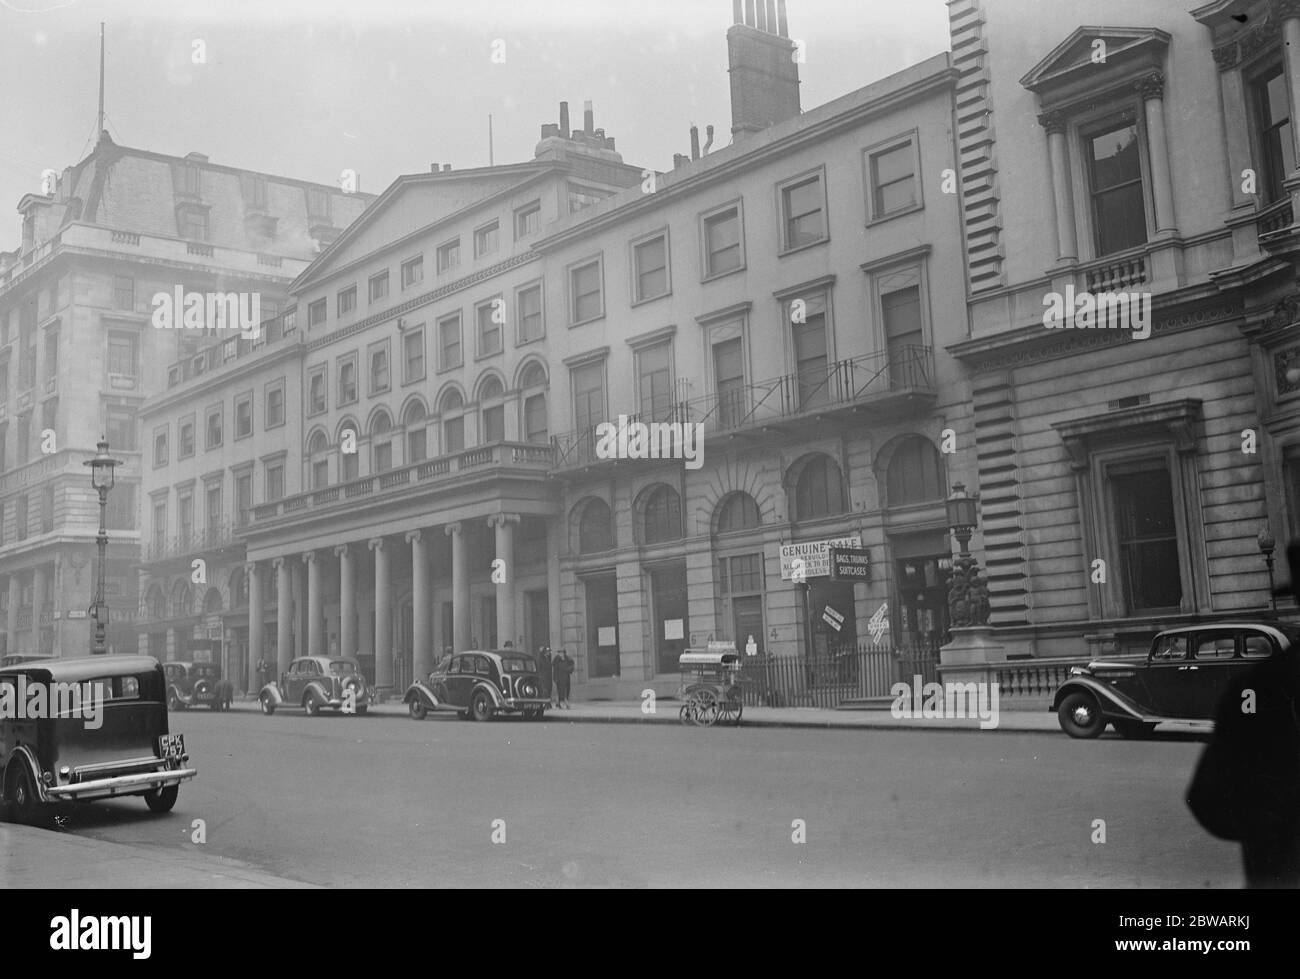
x=1127 y=470
x=438 y=481
x=79 y=354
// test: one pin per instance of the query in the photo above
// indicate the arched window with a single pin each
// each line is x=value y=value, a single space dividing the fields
x=915 y=473
x=417 y=439
x=492 y=402
x=738 y=512
x=595 y=528
x=212 y=601
x=182 y=600
x=663 y=516
x=349 y=436
x=317 y=447
x=238 y=588
x=534 y=376
x=381 y=445
x=453 y=422
x=157 y=603
x=820 y=490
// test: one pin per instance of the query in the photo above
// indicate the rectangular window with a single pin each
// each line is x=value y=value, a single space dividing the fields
x=274 y=481
x=650 y=268
x=494 y=424
x=315 y=313
x=243 y=416
x=378 y=369
x=123 y=354
x=190 y=180
x=243 y=498
x=185 y=438
x=900 y=308
x=729 y=381
x=412 y=271
x=655 y=381
x=347 y=300
x=803 y=213
x=47 y=509
x=1115 y=188
x=585 y=296
x=24 y=437
x=383 y=457
x=20 y=516
x=810 y=354
x=449 y=353
x=453 y=435
x=448 y=256
x=160 y=447
x=722 y=245
x=351 y=466
x=213 y=429
x=49 y=415
x=1147 y=535
x=378 y=288
x=120 y=512
x=893 y=180
x=528 y=301
x=214 y=514
x=588 y=395
x=318 y=205
x=1273 y=124
x=317 y=401
x=487 y=239
x=581 y=197
x=528 y=219
x=123 y=292
x=185 y=517
x=348 y=379
x=320 y=474
x=535 y=429
x=413 y=356
x=159 y=521
x=194 y=225
x=490 y=317
x=120 y=429
x=275 y=405
x=417 y=444
x=254 y=190
x=51 y=354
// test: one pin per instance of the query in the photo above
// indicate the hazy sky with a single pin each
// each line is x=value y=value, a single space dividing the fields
x=306 y=88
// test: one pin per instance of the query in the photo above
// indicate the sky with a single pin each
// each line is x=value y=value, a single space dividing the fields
x=309 y=88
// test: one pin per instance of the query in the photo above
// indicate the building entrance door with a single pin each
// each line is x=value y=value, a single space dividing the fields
x=671 y=625
x=602 y=624
x=537 y=619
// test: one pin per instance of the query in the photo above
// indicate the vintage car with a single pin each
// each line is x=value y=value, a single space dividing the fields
x=196 y=684
x=1181 y=678
x=313 y=682
x=83 y=729
x=479 y=684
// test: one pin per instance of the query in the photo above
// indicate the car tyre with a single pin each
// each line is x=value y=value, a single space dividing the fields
x=417 y=709
x=310 y=704
x=162 y=800
x=22 y=794
x=1132 y=729
x=481 y=707
x=268 y=705
x=1080 y=716
x=173 y=702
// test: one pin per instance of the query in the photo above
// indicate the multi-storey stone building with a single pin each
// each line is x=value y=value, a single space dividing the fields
x=438 y=481
x=79 y=354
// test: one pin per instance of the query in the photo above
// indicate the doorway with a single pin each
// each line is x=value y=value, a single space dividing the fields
x=602 y=624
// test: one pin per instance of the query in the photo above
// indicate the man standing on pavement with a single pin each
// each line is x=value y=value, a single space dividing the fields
x=544 y=670
x=563 y=669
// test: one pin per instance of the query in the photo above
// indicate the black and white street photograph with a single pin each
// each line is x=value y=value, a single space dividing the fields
x=584 y=444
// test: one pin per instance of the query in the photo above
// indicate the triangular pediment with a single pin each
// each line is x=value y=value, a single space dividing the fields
x=1120 y=51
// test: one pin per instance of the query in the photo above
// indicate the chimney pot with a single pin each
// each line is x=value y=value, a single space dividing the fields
x=588 y=117
x=564 y=120
x=695 y=142
x=446 y=167
x=433 y=168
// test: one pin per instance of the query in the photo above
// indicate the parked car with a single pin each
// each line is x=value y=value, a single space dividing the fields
x=1182 y=678
x=479 y=684
x=196 y=684
x=314 y=682
x=124 y=748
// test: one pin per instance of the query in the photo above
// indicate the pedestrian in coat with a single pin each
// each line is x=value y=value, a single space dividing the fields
x=563 y=670
x=544 y=670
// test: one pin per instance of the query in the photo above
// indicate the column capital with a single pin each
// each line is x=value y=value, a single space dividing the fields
x=1053 y=121
x=277 y=563
x=340 y=550
x=309 y=557
x=250 y=568
x=375 y=543
x=503 y=519
x=452 y=529
x=414 y=536
x=1151 y=85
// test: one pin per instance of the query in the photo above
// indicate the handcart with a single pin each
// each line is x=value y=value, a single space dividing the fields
x=710 y=687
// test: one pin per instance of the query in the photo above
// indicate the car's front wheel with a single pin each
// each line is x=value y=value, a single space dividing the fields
x=162 y=800
x=173 y=702
x=481 y=706
x=1132 y=729
x=268 y=705
x=310 y=704
x=22 y=793
x=1081 y=716
x=417 y=709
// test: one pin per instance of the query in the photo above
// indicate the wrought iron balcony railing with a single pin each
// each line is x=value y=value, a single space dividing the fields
x=191 y=544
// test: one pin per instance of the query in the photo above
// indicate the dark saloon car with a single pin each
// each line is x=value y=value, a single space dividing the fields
x=314 y=682
x=479 y=684
x=197 y=684
x=1182 y=678
x=82 y=729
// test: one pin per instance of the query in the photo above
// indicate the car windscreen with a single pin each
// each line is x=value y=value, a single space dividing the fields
x=343 y=667
x=204 y=669
x=518 y=664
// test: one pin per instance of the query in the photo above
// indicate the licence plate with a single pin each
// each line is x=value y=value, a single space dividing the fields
x=171 y=745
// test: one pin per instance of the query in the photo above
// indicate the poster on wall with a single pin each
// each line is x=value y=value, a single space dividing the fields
x=606 y=636
x=673 y=629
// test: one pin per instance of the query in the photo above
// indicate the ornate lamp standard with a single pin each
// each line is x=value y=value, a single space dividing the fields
x=968 y=603
x=1266 y=547
x=102 y=480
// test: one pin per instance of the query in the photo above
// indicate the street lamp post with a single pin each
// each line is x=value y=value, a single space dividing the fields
x=102 y=480
x=967 y=596
x=1266 y=547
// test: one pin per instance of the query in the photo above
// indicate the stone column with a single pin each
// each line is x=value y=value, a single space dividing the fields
x=299 y=589
x=1067 y=239
x=256 y=636
x=283 y=611
x=422 y=657
x=40 y=590
x=383 y=616
x=11 y=620
x=315 y=611
x=1152 y=89
x=460 y=617
x=505 y=589
x=347 y=602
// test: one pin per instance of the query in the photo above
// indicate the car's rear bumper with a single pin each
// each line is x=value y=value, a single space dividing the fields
x=106 y=788
x=518 y=703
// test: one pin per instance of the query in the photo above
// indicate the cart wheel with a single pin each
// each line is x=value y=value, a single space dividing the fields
x=683 y=715
x=708 y=709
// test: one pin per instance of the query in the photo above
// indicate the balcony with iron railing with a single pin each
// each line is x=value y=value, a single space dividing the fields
x=233 y=348
x=516 y=458
x=887 y=382
x=193 y=544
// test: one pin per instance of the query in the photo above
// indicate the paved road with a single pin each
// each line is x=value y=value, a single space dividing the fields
x=382 y=802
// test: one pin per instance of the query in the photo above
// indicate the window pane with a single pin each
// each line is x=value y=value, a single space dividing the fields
x=494 y=424
x=535 y=418
x=803 y=213
x=722 y=234
x=589 y=395
x=655 y=370
x=530 y=313
x=1116 y=178
x=892 y=179
x=1148 y=540
x=453 y=431
x=651 y=268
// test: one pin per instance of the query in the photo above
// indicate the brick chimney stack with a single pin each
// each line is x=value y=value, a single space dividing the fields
x=761 y=62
